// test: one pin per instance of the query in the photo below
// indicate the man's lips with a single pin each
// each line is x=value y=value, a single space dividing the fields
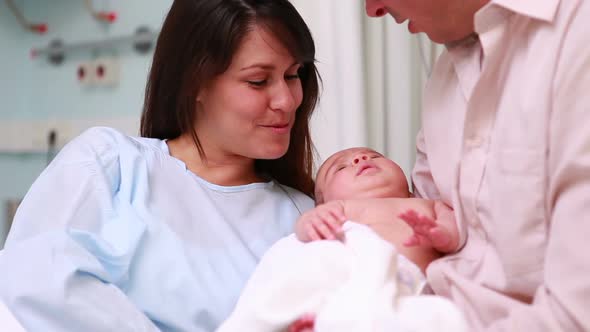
x=399 y=20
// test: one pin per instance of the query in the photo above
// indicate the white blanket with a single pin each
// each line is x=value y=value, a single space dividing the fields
x=352 y=286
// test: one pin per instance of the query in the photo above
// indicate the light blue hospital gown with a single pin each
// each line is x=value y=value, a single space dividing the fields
x=117 y=235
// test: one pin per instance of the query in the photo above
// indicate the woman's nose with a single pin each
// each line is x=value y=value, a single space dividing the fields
x=357 y=159
x=283 y=98
x=375 y=8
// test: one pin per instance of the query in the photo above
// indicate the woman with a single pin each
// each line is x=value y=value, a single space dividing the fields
x=162 y=232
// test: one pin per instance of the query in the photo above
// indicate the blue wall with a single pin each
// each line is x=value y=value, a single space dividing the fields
x=36 y=90
x=13 y=60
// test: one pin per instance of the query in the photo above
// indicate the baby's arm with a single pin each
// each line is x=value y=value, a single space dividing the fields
x=380 y=214
x=440 y=232
x=324 y=222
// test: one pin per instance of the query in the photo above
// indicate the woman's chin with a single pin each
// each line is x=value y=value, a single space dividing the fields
x=273 y=152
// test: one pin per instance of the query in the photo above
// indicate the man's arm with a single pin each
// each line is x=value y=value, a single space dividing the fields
x=562 y=303
x=425 y=187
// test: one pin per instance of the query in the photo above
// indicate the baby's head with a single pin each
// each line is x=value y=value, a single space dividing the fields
x=359 y=173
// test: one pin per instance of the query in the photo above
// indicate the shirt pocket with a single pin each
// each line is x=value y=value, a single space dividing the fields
x=518 y=228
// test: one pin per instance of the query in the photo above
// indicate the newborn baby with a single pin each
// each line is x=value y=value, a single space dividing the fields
x=357 y=260
x=362 y=185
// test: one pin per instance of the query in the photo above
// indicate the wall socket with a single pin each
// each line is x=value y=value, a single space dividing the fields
x=85 y=74
x=107 y=71
x=101 y=72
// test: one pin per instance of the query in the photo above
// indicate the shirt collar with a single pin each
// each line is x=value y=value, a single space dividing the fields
x=544 y=10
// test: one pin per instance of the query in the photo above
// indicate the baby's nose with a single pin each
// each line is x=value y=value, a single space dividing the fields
x=358 y=158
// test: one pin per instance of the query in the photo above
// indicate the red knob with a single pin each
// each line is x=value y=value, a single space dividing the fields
x=39 y=28
x=108 y=16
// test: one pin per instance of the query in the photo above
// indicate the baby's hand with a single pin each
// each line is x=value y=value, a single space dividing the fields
x=428 y=232
x=305 y=323
x=324 y=222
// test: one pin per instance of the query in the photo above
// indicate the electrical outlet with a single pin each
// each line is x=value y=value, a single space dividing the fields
x=85 y=74
x=107 y=71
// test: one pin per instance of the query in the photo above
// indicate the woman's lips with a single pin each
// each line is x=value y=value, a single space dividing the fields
x=281 y=128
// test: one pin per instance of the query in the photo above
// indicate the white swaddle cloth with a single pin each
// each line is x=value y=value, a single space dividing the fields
x=354 y=286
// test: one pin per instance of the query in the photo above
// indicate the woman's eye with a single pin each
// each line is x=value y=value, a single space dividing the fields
x=292 y=77
x=257 y=83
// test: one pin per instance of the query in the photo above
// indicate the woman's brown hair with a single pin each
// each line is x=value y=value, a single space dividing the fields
x=197 y=42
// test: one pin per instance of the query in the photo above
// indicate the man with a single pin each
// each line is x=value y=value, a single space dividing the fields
x=503 y=141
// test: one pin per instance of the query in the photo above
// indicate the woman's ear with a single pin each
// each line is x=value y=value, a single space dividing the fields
x=201 y=95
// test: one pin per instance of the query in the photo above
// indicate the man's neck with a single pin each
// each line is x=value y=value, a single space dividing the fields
x=471 y=38
x=467 y=41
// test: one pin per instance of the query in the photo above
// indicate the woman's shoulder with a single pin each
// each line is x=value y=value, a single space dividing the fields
x=106 y=143
x=302 y=201
x=107 y=136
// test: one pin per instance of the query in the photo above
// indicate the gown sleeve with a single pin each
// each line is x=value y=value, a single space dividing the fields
x=74 y=237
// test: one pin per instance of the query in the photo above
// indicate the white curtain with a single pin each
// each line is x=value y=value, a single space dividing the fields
x=373 y=74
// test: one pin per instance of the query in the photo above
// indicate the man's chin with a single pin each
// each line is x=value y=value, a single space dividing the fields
x=470 y=39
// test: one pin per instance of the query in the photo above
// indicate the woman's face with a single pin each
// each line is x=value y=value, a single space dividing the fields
x=248 y=111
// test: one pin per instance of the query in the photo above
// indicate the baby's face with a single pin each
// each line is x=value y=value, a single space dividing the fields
x=359 y=173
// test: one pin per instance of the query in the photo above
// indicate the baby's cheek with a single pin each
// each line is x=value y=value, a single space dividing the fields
x=327 y=195
x=331 y=194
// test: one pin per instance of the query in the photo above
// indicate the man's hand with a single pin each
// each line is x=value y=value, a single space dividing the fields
x=324 y=222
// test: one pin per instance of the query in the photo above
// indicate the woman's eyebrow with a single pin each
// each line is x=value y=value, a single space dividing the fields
x=266 y=66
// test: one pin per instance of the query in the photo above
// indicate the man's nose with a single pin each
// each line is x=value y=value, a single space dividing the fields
x=375 y=8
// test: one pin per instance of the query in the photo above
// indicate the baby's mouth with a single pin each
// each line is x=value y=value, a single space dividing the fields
x=365 y=168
